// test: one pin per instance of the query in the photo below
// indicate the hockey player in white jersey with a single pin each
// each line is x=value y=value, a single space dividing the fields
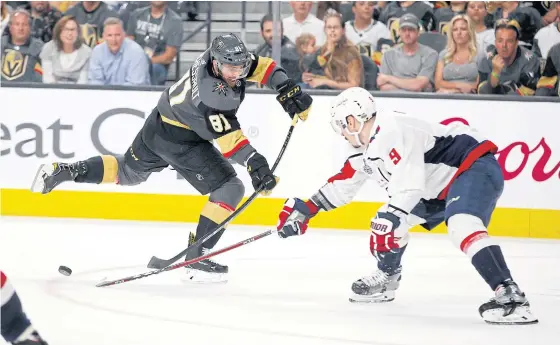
x=432 y=173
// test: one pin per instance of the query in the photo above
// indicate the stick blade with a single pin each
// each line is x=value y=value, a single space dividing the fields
x=157 y=263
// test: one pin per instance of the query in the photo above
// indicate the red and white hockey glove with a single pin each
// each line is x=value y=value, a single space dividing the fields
x=382 y=239
x=294 y=217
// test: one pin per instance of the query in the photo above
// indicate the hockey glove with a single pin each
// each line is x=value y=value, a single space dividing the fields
x=382 y=239
x=260 y=173
x=293 y=100
x=294 y=217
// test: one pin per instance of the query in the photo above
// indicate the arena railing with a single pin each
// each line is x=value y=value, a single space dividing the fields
x=412 y=95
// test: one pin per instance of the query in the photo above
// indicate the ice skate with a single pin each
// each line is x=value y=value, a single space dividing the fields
x=30 y=337
x=509 y=307
x=205 y=271
x=380 y=287
x=51 y=175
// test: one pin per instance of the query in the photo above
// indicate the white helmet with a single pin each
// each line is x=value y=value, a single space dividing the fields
x=356 y=102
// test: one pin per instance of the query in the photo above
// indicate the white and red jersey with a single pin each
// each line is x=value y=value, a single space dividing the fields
x=411 y=158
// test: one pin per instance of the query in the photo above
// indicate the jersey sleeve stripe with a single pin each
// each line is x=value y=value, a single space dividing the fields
x=547 y=82
x=232 y=142
x=173 y=122
x=263 y=70
x=347 y=172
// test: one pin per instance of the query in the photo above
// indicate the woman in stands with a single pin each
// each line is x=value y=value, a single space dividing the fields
x=456 y=70
x=478 y=14
x=65 y=59
x=337 y=64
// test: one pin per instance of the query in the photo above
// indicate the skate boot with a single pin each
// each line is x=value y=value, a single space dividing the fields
x=378 y=288
x=205 y=271
x=51 y=175
x=509 y=307
x=30 y=337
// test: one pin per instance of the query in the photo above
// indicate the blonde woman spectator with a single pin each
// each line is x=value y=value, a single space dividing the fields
x=477 y=11
x=338 y=59
x=456 y=70
x=305 y=47
x=65 y=58
x=4 y=16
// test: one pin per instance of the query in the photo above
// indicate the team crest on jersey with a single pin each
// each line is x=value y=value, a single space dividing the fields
x=89 y=34
x=14 y=65
x=220 y=88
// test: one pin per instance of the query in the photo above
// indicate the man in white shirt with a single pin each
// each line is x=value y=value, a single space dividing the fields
x=302 y=21
x=549 y=35
x=363 y=31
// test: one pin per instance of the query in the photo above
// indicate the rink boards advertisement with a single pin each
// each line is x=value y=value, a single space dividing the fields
x=44 y=125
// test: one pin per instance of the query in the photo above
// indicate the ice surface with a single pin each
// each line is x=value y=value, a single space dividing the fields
x=292 y=291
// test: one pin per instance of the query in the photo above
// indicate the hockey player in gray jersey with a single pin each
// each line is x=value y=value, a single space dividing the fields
x=198 y=109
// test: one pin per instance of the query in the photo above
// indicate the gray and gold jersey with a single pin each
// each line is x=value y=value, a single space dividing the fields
x=91 y=23
x=205 y=104
x=21 y=63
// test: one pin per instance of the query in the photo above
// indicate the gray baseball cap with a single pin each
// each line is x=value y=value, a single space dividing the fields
x=409 y=20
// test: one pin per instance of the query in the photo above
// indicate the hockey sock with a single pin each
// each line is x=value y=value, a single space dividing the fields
x=212 y=214
x=13 y=320
x=389 y=262
x=491 y=265
x=99 y=169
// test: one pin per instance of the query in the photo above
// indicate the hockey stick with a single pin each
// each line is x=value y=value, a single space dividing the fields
x=158 y=263
x=188 y=262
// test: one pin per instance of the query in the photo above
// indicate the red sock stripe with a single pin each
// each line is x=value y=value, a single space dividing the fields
x=472 y=238
x=224 y=205
x=3 y=279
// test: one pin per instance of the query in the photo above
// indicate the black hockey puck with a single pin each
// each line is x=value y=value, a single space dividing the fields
x=65 y=270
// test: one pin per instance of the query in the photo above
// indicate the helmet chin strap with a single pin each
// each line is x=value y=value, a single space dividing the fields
x=356 y=135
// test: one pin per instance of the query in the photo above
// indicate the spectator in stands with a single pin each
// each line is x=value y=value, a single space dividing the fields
x=509 y=68
x=456 y=70
x=126 y=9
x=91 y=15
x=396 y=9
x=118 y=60
x=337 y=64
x=549 y=84
x=549 y=35
x=289 y=56
x=444 y=14
x=44 y=20
x=551 y=14
x=63 y=6
x=303 y=21
x=305 y=47
x=409 y=66
x=364 y=31
x=159 y=30
x=4 y=17
x=20 y=51
x=477 y=12
x=529 y=19
x=65 y=59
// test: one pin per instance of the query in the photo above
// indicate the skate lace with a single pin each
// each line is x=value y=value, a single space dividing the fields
x=377 y=278
x=208 y=251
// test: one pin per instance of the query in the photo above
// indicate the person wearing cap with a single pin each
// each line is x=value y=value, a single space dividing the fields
x=509 y=68
x=409 y=66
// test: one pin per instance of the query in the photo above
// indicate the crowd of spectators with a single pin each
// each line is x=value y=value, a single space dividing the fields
x=497 y=47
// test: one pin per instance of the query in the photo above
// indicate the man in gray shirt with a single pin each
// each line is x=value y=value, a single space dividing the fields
x=409 y=66
x=159 y=30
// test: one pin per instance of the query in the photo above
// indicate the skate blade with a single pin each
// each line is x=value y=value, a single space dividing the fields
x=385 y=297
x=201 y=277
x=38 y=185
x=521 y=316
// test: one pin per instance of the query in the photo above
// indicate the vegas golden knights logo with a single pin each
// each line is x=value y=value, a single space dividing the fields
x=443 y=28
x=89 y=34
x=14 y=64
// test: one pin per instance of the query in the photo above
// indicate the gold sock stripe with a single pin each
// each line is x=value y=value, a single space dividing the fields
x=215 y=212
x=110 y=169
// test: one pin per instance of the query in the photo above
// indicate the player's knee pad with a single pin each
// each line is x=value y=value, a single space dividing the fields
x=230 y=193
x=468 y=233
x=127 y=176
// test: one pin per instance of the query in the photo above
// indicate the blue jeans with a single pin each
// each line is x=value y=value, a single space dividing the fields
x=158 y=74
x=475 y=192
